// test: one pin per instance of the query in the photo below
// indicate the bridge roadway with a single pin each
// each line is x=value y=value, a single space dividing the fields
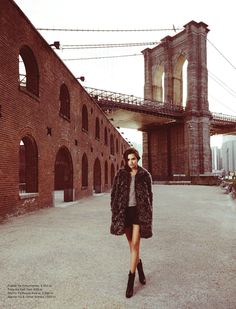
x=128 y=111
x=190 y=262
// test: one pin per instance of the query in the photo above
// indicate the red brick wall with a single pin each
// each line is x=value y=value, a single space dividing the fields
x=23 y=114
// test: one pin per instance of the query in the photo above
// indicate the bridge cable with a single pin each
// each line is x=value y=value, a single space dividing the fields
x=222 y=103
x=222 y=84
x=101 y=57
x=222 y=54
x=108 y=45
x=110 y=30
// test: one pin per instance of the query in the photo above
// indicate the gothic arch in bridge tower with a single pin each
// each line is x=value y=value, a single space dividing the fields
x=179 y=147
x=178 y=80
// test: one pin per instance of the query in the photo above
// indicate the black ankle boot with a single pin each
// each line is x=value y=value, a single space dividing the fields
x=142 y=278
x=130 y=285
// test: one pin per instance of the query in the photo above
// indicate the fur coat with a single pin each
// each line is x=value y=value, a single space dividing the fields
x=120 y=199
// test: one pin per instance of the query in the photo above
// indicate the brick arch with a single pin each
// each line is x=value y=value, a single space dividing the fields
x=84 y=171
x=117 y=145
x=105 y=136
x=84 y=118
x=112 y=144
x=64 y=102
x=28 y=165
x=97 y=128
x=63 y=172
x=112 y=173
x=97 y=176
x=106 y=172
x=28 y=66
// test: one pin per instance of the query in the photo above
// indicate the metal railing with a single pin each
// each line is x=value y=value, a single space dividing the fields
x=223 y=117
x=22 y=80
x=115 y=97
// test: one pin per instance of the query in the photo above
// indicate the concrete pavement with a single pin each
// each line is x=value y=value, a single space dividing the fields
x=65 y=258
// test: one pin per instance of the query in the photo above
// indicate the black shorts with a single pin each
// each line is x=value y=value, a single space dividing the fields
x=131 y=216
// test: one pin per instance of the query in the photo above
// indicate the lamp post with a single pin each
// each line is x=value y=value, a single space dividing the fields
x=55 y=44
x=82 y=78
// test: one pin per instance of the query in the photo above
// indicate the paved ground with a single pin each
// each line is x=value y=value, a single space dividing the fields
x=65 y=258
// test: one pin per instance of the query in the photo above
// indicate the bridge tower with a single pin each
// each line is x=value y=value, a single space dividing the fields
x=179 y=148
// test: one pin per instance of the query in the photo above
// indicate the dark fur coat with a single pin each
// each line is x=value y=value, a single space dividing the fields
x=120 y=199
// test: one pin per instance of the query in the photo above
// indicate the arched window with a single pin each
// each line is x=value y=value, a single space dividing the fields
x=84 y=170
x=105 y=136
x=112 y=173
x=85 y=118
x=112 y=146
x=97 y=176
x=64 y=102
x=106 y=173
x=28 y=71
x=117 y=146
x=28 y=165
x=97 y=129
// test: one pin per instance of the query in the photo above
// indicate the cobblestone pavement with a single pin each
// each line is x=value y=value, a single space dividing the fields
x=65 y=258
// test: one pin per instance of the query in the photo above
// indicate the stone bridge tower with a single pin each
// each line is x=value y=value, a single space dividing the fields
x=179 y=148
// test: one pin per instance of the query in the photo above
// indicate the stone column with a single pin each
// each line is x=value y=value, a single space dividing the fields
x=145 y=156
x=168 y=83
x=197 y=133
x=147 y=74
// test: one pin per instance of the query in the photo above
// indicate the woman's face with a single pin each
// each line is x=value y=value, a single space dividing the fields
x=132 y=161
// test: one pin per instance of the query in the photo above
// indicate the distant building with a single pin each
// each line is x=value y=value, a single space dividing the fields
x=216 y=158
x=228 y=153
x=139 y=147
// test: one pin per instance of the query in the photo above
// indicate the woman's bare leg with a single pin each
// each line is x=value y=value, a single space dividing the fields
x=128 y=233
x=134 y=247
x=133 y=237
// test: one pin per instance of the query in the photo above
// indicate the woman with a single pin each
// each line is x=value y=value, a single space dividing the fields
x=131 y=206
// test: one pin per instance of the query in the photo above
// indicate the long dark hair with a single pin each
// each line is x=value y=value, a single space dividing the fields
x=127 y=152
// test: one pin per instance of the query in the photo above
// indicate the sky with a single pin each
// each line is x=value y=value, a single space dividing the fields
x=126 y=74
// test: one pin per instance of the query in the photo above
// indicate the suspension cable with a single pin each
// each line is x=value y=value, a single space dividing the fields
x=110 y=30
x=101 y=57
x=88 y=46
x=222 y=54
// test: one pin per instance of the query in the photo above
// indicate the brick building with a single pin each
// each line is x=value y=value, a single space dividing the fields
x=228 y=153
x=53 y=136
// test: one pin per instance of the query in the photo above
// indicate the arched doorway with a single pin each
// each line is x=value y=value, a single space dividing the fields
x=28 y=166
x=63 y=177
x=97 y=179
